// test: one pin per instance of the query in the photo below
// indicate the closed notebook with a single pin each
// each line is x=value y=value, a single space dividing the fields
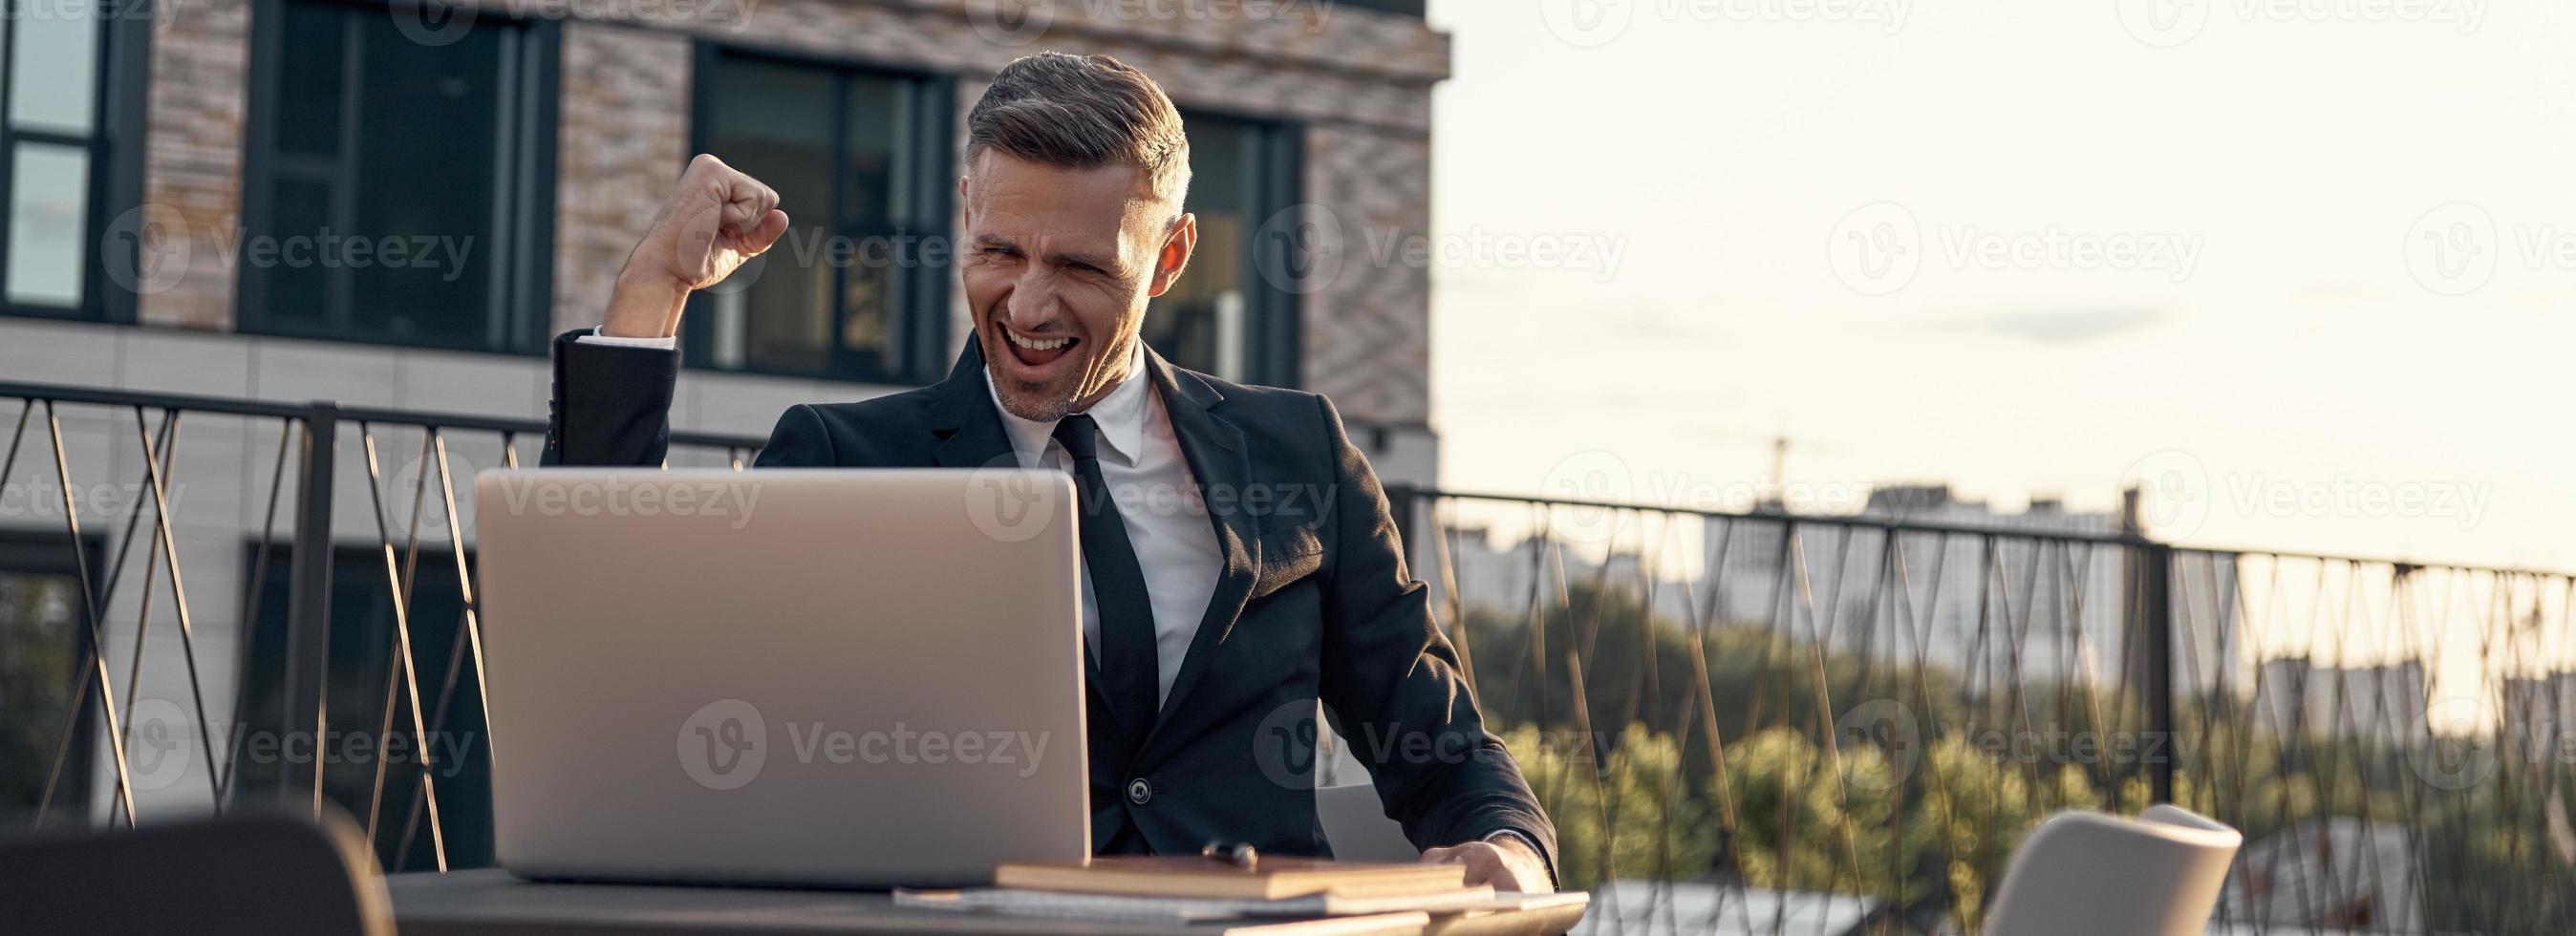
x=1128 y=908
x=1266 y=879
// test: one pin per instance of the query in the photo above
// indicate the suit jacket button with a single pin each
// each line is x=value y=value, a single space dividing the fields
x=1140 y=792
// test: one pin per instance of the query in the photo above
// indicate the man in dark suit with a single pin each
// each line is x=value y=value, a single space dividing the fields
x=1240 y=560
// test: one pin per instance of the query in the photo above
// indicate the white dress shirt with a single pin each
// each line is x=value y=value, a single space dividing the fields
x=1150 y=481
x=1166 y=520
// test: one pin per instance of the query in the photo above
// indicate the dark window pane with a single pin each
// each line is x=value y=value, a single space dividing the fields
x=774 y=121
x=875 y=122
x=393 y=224
x=1200 y=324
x=839 y=294
x=298 y=293
x=308 y=81
x=870 y=292
x=39 y=645
x=363 y=653
x=421 y=269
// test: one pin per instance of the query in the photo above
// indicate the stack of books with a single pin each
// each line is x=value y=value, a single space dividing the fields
x=1267 y=895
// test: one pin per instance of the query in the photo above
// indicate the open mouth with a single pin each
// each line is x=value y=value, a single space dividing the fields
x=1036 y=350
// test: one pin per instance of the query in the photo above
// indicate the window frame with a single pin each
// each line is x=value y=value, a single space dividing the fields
x=520 y=324
x=114 y=148
x=923 y=348
x=1274 y=318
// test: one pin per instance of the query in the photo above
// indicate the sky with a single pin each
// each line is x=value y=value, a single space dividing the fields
x=2308 y=268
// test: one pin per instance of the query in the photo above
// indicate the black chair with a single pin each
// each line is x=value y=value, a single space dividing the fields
x=253 y=874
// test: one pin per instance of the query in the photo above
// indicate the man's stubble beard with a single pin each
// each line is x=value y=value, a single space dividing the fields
x=1038 y=402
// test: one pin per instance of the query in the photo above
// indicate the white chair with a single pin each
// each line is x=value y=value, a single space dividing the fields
x=2103 y=875
x=1355 y=823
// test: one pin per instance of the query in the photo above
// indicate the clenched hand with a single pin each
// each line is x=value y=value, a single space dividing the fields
x=717 y=219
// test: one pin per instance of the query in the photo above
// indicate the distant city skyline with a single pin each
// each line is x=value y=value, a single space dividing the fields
x=2306 y=279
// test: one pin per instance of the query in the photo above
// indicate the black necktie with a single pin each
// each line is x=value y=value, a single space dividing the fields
x=1128 y=668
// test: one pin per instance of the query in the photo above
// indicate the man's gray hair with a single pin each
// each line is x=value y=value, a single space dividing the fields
x=1082 y=112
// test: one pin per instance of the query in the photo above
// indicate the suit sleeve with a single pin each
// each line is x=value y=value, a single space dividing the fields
x=798 y=441
x=1393 y=687
x=612 y=404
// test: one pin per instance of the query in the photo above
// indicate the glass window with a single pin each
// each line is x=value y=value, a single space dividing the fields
x=52 y=150
x=41 y=639
x=48 y=224
x=859 y=160
x=1223 y=316
x=363 y=654
x=51 y=45
x=386 y=200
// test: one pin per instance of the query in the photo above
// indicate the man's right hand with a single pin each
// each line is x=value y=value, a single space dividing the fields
x=716 y=220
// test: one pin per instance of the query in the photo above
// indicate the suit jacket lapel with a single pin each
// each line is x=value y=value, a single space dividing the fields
x=973 y=438
x=1218 y=461
x=971 y=431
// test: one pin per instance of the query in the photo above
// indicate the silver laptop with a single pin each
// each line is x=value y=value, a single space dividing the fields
x=856 y=678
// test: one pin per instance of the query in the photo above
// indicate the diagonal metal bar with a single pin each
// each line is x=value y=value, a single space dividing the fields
x=402 y=665
x=94 y=658
x=151 y=567
x=160 y=470
x=470 y=639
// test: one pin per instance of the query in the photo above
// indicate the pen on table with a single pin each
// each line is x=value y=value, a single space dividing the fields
x=1241 y=854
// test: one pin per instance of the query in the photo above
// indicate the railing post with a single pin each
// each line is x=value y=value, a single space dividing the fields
x=2148 y=633
x=308 y=612
x=2151 y=590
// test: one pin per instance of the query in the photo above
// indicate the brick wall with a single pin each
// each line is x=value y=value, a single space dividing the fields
x=192 y=157
x=624 y=136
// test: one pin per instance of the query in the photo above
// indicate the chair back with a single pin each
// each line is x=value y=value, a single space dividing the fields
x=2103 y=875
x=1356 y=825
x=268 y=874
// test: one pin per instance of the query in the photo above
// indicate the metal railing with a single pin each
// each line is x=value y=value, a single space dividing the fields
x=388 y=531
x=1772 y=723
x=1742 y=722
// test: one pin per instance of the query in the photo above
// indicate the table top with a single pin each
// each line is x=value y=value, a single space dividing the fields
x=489 y=902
